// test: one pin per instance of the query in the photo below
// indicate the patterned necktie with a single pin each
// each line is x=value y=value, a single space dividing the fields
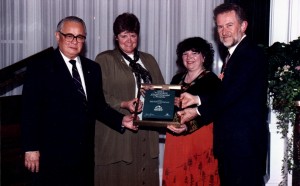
x=137 y=69
x=77 y=82
x=226 y=61
x=221 y=76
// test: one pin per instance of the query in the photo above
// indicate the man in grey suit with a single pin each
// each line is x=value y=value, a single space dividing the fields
x=58 y=119
x=240 y=110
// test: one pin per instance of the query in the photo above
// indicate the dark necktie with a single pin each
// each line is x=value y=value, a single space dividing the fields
x=137 y=69
x=226 y=61
x=77 y=82
x=221 y=76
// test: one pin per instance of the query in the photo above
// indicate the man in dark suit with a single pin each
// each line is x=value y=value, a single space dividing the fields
x=58 y=118
x=239 y=112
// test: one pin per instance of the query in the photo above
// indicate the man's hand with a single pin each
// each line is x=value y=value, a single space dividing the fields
x=32 y=161
x=177 y=102
x=130 y=105
x=128 y=122
x=187 y=115
x=188 y=100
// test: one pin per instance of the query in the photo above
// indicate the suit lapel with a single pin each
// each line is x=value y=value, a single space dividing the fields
x=232 y=60
x=61 y=66
x=62 y=73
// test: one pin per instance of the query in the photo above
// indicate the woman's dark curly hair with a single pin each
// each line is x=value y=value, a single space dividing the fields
x=195 y=44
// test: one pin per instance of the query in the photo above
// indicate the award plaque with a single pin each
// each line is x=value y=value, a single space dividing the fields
x=158 y=109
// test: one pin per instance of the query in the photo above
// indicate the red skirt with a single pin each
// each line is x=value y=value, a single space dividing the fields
x=189 y=160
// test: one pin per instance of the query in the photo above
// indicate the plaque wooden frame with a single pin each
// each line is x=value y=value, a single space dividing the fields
x=155 y=123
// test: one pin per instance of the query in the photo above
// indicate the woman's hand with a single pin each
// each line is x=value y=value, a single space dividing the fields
x=131 y=105
x=177 y=130
x=127 y=122
x=145 y=88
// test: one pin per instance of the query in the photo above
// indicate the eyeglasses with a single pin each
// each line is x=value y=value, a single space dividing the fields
x=71 y=37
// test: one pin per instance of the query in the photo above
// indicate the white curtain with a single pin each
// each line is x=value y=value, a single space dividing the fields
x=284 y=21
x=28 y=26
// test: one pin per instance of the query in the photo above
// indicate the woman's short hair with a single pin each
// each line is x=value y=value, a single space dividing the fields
x=126 y=22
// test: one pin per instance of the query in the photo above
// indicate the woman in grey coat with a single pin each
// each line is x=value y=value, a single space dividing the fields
x=130 y=157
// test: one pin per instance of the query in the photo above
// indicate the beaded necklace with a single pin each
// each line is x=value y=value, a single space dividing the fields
x=185 y=85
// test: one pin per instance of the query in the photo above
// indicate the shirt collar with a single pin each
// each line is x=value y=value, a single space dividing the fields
x=231 y=49
x=66 y=59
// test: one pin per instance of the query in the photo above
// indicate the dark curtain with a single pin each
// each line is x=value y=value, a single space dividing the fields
x=258 y=12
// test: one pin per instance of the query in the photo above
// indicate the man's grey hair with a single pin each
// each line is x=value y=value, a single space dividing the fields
x=70 y=18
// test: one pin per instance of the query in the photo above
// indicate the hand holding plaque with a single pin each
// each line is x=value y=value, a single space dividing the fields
x=158 y=107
